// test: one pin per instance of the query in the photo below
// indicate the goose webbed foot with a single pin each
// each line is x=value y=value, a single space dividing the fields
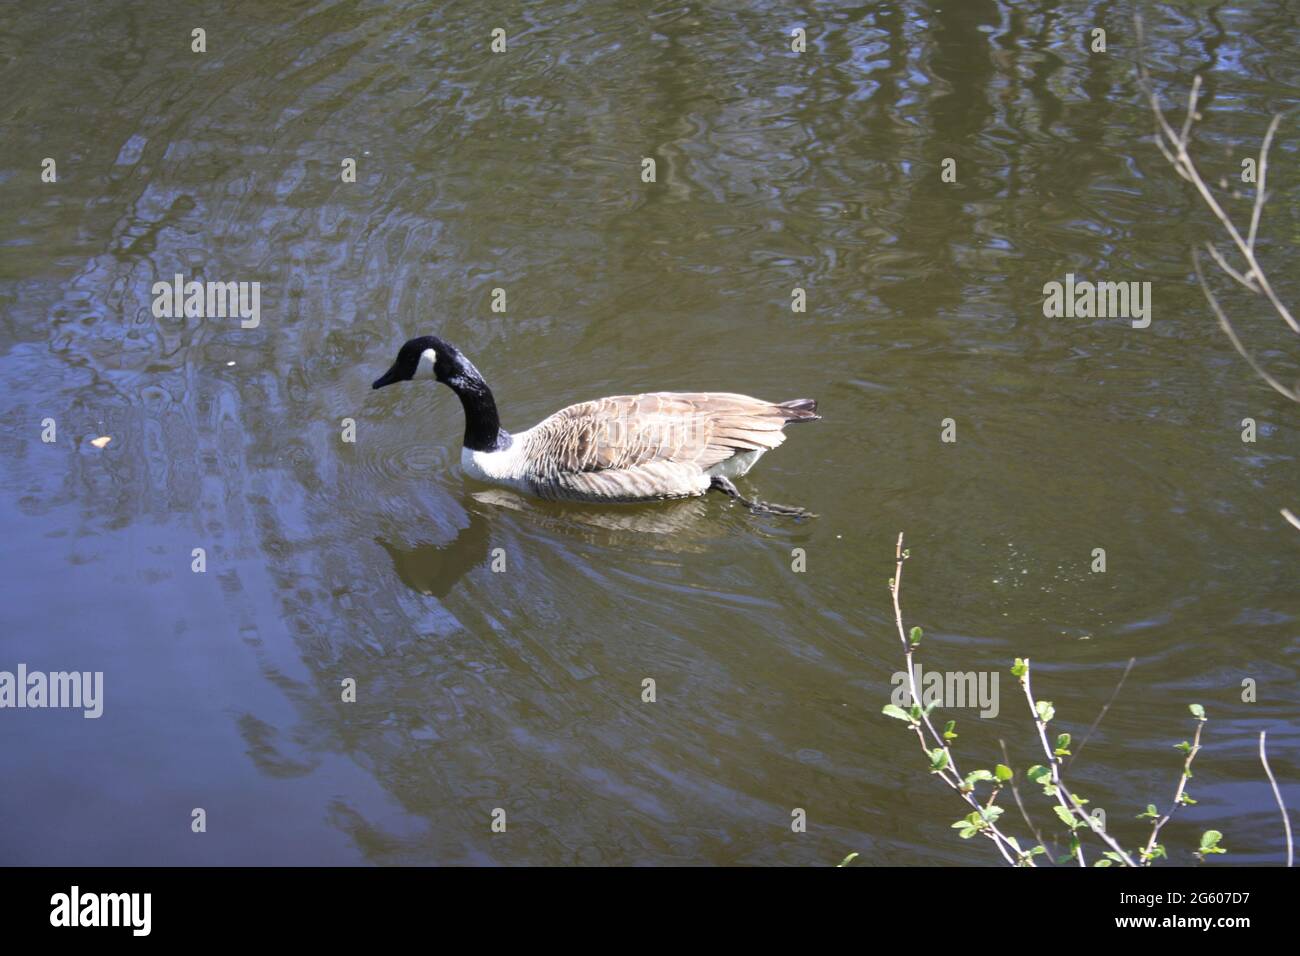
x=725 y=485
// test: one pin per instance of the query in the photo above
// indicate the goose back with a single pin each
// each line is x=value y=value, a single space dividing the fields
x=655 y=445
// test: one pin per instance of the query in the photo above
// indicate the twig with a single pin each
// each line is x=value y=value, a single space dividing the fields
x=1052 y=759
x=1174 y=147
x=1277 y=795
x=1178 y=794
x=1261 y=192
x=1224 y=324
x=1063 y=794
x=1009 y=851
x=1115 y=693
x=1015 y=792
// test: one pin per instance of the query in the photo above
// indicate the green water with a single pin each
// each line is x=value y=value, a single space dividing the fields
x=521 y=689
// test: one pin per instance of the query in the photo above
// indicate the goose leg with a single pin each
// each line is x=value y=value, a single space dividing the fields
x=725 y=485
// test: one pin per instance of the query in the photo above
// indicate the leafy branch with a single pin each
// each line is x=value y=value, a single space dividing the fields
x=983 y=820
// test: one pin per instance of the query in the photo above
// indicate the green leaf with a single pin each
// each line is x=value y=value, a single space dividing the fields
x=1003 y=773
x=1197 y=711
x=948 y=730
x=893 y=710
x=1038 y=773
x=1062 y=745
x=1185 y=747
x=1066 y=816
x=938 y=759
x=915 y=635
x=1020 y=668
x=1102 y=863
x=975 y=776
x=1045 y=710
x=847 y=860
x=1210 y=839
x=1157 y=852
x=1151 y=813
x=991 y=814
x=969 y=825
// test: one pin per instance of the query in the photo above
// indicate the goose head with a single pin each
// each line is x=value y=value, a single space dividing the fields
x=429 y=357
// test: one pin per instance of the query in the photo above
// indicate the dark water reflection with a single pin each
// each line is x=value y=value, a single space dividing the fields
x=521 y=688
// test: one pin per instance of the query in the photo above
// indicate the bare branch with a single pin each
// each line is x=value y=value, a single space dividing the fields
x=1222 y=263
x=1173 y=146
x=1260 y=193
x=1232 y=334
x=1115 y=693
x=1277 y=795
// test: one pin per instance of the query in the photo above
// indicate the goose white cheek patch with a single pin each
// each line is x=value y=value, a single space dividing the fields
x=428 y=359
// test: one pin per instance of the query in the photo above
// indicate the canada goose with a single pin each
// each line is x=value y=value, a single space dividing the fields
x=621 y=448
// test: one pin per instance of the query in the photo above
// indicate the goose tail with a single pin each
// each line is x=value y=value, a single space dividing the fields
x=801 y=410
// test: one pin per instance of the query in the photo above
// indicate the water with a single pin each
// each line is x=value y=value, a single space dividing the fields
x=522 y=689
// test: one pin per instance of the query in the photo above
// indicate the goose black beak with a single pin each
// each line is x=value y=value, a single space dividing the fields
x=388 y=378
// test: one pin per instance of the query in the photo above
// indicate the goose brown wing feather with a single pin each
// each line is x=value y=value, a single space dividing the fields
x=622 y=432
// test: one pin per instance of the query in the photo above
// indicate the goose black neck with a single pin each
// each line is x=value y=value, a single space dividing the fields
x=483 y=430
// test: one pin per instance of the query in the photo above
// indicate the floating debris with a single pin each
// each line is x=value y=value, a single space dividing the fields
x=101 y=441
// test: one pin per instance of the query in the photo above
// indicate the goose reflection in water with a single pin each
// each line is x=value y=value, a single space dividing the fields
x=681 y=526
x=435 y=569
